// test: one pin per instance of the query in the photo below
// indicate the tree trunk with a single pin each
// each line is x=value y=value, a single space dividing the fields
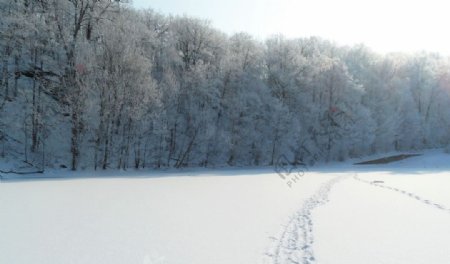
x=75 y=139
x=16 y=75
x=6 y=72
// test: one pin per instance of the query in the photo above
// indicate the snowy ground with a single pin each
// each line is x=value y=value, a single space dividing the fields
x=393 y=213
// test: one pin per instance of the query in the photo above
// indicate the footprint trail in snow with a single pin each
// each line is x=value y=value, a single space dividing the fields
x=295 y=243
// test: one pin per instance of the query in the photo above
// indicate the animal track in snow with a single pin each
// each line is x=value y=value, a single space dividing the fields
x=409 y=194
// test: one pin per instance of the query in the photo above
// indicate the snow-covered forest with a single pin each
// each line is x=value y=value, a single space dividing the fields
x=95 y=84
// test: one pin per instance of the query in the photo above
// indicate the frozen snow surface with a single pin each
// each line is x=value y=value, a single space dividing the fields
x=337 y=213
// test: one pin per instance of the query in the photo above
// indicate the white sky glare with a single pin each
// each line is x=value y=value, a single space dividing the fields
x=384 y=25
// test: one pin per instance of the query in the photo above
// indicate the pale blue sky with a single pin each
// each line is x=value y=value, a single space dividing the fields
x=384 y=25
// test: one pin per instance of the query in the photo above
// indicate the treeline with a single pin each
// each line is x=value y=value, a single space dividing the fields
x=96 y=84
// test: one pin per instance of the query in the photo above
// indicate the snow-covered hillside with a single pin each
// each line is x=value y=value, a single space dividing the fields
x=393 y=213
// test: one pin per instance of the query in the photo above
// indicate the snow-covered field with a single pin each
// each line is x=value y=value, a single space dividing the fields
x=393 y=213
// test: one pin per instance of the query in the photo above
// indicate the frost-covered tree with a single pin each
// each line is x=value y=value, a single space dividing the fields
x=95 y=84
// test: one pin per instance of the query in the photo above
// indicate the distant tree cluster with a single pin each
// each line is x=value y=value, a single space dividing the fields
x=96 y=84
